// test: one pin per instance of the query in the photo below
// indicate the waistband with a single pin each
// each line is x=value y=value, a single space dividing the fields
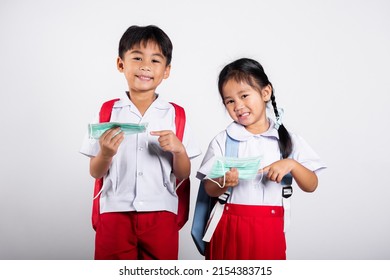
x=253 y=210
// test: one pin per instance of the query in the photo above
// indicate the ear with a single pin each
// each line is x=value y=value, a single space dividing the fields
x=119 y=64
x=167 y=71
x=266 y=93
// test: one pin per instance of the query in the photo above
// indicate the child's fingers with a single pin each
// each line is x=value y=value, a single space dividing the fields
x=160 y=132
x=233 y=171
x=168 y=140
x=117 y=139
x=232 y=177
x=110 y=133
x=264 y=170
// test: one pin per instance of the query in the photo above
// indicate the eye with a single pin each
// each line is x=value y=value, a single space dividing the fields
x=244 y=96
x=156 y=61
x=137 y=58
x=229 y=101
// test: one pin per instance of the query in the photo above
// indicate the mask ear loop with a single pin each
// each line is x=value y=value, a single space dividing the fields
x=257 y=184
x=99 y=193
x=224 y=177
x=178 y=185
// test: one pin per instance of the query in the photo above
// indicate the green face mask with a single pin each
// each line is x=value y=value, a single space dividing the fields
x=97 y=129
x=247 y=167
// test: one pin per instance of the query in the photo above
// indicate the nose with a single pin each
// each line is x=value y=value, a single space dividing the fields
x=238 y=105
x=145 y=66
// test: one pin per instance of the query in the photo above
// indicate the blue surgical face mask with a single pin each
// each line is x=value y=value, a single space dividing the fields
x=247 y=167
x=97 y=129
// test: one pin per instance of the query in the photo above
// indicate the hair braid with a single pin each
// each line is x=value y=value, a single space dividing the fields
x=285 y=143
x=274 y=104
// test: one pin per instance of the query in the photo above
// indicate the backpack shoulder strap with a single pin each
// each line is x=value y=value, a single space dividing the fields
x=104 y=116
x=180 y=120
x=183 y=192
x=106 y=109
x=231 y=146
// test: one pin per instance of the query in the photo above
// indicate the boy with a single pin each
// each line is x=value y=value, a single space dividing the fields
x=138 y=203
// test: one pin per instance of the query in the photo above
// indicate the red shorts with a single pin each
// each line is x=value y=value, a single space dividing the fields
x=247 y=232
x=137 y=235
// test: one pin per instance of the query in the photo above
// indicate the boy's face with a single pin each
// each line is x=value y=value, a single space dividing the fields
x=144 y=68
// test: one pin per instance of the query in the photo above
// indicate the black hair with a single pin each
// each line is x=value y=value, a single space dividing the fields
x=251 y=72
x=136 y=35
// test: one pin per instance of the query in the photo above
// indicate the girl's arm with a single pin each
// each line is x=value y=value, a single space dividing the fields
x=306 y=179
x=214 y=190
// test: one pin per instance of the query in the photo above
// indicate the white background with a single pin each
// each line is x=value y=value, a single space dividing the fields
x=329 y=64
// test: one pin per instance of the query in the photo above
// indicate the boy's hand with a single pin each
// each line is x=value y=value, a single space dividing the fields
x=109 y=142
x=168 y=141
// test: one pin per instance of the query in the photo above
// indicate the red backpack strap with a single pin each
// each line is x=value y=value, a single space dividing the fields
x=183 y=192
x=105 y=111
x=180 y=120
x=104 y=116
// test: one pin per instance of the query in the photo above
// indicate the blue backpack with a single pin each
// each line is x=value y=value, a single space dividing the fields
x=205 y=203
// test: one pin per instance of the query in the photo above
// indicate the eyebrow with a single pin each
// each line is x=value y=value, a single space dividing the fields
x=154 y=54
x=238 y=93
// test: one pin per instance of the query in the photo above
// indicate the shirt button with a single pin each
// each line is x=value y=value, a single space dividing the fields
x=140 y=173
x=140 y=148
x=272 y=211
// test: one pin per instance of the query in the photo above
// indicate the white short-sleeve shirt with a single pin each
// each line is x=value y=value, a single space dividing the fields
x=140 y=177
x=260 y=191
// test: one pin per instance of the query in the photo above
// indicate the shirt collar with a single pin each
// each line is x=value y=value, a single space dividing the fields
x=158 y=103
x=238 y=132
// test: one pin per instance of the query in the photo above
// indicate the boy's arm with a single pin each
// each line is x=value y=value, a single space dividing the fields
x=170 y=143
x=181 y=165
x=109 y=143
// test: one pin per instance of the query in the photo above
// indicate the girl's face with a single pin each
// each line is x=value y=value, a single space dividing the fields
x=247 y=105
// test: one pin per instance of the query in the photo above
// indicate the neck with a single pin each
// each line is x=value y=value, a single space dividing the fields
x=259 y=127
x=142 y=101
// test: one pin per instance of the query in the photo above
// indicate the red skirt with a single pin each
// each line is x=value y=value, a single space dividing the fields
x=247 y=232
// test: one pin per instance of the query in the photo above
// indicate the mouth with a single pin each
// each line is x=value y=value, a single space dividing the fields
x=144 y=78
x=243 y=115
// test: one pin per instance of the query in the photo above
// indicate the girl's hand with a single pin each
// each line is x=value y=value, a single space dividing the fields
x=213 y=187
x=231 y=178
x=276 y=171
x=109 y=142
x=306 y=179
x=169 y=141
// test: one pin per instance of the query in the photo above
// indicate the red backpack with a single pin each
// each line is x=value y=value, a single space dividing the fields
x=183 y=192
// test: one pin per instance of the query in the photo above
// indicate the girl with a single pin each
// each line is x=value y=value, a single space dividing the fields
x=252 y=222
